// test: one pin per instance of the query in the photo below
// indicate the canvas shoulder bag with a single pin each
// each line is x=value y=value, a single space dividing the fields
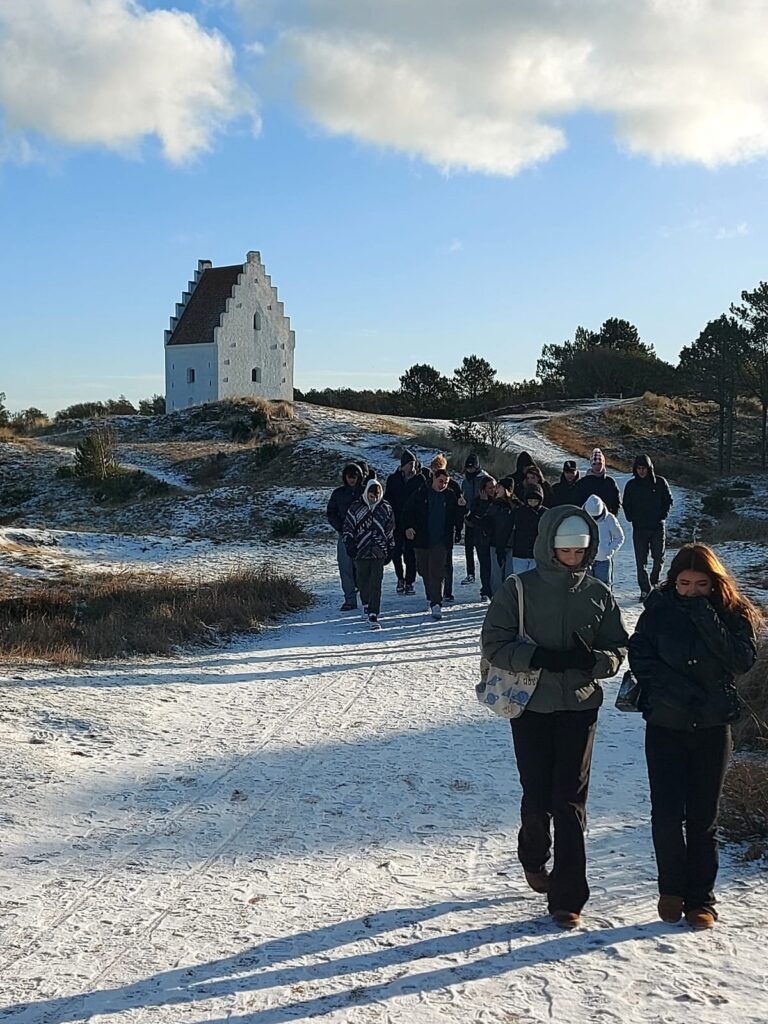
x=504 y=692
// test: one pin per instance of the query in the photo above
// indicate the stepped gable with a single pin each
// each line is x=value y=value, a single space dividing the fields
x=202 y=311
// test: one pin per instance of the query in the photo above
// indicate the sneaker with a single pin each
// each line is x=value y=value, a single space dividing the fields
x=409 y=590
x=467 y=580
x=437 y=611
x=400 y=588
x=670 y=908
x=538 y=880
x=566 y=919
x=374 y=621
x=348 y=607
x=700 y=918
x=364 y=611
x=448 y=599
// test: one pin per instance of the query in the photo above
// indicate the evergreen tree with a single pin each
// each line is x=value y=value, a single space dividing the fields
x=752 y=316
x=474 y=379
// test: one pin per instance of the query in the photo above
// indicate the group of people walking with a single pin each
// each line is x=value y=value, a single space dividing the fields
x=417 y=518
x=552 y=547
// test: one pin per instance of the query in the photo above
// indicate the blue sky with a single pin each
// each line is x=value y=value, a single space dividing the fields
x=391 y=241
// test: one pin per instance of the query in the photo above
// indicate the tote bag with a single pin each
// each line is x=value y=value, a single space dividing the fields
x=503 y=692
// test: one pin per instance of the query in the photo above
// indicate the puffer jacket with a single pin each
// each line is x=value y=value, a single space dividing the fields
x=399 y=490
x=603 y=486
x=558 y=602
x=525 y=529
x=685 y=653
x=564 y=493
x=480 y=519
x=341 y=499
x=369 y=530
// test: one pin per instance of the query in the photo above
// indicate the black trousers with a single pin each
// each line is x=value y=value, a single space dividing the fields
x=554 y=757
x=469 y=549
x=404 y=558
x=484 y=560
x=431 y=565
x=686 y=772
x=645 y=541
x=370 y=572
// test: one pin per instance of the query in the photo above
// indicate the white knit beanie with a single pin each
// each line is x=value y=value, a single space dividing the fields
x=573 y=532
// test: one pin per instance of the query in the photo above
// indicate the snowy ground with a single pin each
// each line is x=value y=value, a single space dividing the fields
x=320 y=822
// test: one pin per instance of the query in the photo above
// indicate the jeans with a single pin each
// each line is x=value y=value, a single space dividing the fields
x=431 y=564
x=346 y=572
x=554 y=757
x=484 y=561
x=522 y=564
x=686 y=772
x=404 y=558
x=469 y=549
x=644 y=541
x=603 y=570
x=370 y=573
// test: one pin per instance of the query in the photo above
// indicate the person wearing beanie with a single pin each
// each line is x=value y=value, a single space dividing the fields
x=400 y=486
x=564 y=492
x=471 y=485
x=336 y=512
x=647 y=501
x=575 y=636
x=369 y=538
x=525 y=529
x=611 y=538
x=596 y=481
x=533 y=477
x=431 y=517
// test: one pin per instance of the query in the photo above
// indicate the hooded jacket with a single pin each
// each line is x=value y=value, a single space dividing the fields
x=603 y=486
x=685 y=653
x=398 y=490
x=564 y=493
x=525 y=525
x=558 y=601
x=342 y=498
x=610 y=533
x=646 y=502
x=480 y=519
x=524 y=460
x=472 y=483
x=369 y=528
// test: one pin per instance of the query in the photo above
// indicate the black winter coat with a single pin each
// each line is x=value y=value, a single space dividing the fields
x=398 y=491
x=685 y=654
x=647 y=502
x=480 y=518
x=564 y=493
x=525 y=530
x=339 y=503
x=416 y=516
x=501 y=524
x=604 y=487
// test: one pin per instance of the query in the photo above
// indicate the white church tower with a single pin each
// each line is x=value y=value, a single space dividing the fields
x=230 y=338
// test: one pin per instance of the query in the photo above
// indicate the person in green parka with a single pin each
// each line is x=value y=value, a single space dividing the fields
x=577 y=638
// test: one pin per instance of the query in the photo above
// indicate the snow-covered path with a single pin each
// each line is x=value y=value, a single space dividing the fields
x=320 y=822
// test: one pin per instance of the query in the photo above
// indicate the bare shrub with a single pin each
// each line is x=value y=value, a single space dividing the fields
x=744 y=809
x=125 y=614
x=736 y=527
x=752 y=729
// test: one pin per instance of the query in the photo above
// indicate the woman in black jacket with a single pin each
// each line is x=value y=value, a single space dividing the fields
x=696 y=634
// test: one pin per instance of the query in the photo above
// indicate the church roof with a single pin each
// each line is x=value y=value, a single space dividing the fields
x=205 y=305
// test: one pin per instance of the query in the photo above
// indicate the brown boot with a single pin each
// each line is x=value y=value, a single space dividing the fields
x=700 y=918
x=538 y=880
x=566 y=919
x=670 y=908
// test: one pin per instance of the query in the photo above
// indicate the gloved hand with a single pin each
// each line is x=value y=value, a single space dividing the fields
x=583 y=657
x=553 y=661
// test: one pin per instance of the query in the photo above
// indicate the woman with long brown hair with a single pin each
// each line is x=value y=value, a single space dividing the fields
x=696 y=634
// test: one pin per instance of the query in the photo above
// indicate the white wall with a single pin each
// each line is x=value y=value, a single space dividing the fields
x=241 y=348
x=180 y=358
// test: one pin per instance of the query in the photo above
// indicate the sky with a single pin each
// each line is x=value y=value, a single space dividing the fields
x=425 y=179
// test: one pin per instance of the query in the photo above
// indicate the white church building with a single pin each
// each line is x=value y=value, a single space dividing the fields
x=230 y=338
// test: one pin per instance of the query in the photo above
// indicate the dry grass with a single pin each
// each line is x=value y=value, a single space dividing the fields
x=569 y=435
x=736 y=527
x=273 y=410
x=119 y=615
x=385 y=425
x=744 y=808
x=752 y=730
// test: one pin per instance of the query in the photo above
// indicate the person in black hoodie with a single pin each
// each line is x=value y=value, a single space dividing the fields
x=564 y=492
x=524 y=460
x=525 y=530
x=647 y=501
x=336 y=512
x=471 y=485
x=533 y=477
x=480 y=519
x=500 y=525
x=432 y=516
x=696 y=634
x=400 y=486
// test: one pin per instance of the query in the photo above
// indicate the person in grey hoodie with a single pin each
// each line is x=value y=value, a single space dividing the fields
x=577 y=638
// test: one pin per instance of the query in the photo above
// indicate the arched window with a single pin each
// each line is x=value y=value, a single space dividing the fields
x=257 y=321
x=256 y=375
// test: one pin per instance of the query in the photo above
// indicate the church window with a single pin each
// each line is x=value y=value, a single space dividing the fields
x=256 y=375
x=190 y=376
x=257 y=321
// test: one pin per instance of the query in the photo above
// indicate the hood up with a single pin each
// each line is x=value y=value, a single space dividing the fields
x=644 y=460
x=348 y=469
x=367 y=493
x=524 y=460
x=544 y=548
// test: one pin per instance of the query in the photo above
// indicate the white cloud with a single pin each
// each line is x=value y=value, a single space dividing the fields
x=111 y=73
x=736 y=231
x=454 y=246
x=487 y=86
